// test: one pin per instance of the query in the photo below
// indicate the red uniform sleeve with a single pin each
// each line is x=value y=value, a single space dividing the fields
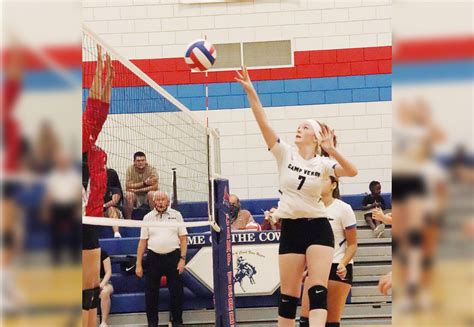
x=97 y=160
x=11 y=131
x=93 y=119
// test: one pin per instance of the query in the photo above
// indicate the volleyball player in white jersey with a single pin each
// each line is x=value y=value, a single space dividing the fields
x=344 y=225
x=306 y=235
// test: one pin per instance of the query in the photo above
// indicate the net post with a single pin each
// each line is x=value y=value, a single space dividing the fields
x=224 y=300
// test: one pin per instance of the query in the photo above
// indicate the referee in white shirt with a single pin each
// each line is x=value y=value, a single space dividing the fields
x=166 y=256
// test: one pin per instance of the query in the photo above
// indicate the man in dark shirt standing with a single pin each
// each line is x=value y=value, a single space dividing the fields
x=372 y=201
x=113 y=198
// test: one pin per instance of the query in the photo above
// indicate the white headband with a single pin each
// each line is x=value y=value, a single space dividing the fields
x=316 y=127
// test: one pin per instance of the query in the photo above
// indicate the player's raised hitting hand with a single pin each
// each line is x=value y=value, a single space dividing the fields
x=326 y=137
x=244 y=79
x=110 y=67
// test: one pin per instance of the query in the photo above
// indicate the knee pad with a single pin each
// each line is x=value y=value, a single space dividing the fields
x=415 y=238
x=304 y=322
x=90 y=298
x=333 y=324
x=287 y=306
x=318 y=297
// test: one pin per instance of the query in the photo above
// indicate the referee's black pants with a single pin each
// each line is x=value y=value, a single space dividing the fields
x=159 y=265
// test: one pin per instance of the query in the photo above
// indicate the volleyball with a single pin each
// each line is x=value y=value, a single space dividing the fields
x=200 y=55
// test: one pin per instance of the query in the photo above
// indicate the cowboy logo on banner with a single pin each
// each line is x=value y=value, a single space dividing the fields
x=255 y=269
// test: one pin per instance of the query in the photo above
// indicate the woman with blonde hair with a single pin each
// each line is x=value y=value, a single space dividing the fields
x=306 y=235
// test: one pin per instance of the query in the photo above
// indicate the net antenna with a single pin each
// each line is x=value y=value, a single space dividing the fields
x=180 y=140
x=211 y=134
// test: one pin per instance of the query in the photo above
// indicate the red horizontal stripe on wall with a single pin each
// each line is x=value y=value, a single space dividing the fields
x=68 y=57
x=308 y=64
x=449 y=48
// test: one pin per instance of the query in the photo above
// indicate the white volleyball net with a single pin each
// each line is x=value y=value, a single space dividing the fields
x=145 y=117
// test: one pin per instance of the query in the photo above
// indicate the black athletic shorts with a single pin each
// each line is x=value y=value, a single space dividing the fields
x=405 y=186
x=297 y=235
x=90 y=237
x=349 y=275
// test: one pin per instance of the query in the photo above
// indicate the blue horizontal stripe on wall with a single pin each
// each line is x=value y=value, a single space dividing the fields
x=434 y=72
x=296 y=92
x=45 y=80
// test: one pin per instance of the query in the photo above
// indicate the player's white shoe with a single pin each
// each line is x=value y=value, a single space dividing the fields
x=117 y=235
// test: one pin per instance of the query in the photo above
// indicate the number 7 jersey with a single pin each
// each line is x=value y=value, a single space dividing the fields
x=300 y=182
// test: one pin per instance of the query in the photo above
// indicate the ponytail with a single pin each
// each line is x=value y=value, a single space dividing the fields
x=336 y=194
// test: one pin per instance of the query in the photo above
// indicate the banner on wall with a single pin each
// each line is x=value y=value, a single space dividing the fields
x=254 y=258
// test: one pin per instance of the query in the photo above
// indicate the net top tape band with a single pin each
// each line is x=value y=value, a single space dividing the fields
x=97 y=221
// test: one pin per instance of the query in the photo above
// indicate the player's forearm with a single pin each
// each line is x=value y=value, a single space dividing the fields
x=349 y=255
x=147 y=189
x=107 y=276
x=134 y=186
x=387 y=219
x=140 y=251
x=349 y=168
x=368 y=206
x=183 y=246
x=115 y=199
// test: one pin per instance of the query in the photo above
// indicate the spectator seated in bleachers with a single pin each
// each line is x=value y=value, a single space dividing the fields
x=113 y=198
x=271 y=222
x=44 y=148
x=372 y=201
x=141 y=183
x=252 y=225
x=241 y=219
x=61 y=207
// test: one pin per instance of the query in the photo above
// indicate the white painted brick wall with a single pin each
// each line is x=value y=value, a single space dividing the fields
x=121 y=26
x=107 y=13
x=271 y=33
x=135 y=39
x=335 y=15
x=308 y=43
x=148 y=51
x=160 y=11
x=148 y=25
x=358 y=41
x=287 y=18
x=133 y=12
x=203 y=22
x=362 y=13
x=336 y=42
x=377 y=26
x=162 y=38
x=310 y=24
x=348 y=28
x=384 y=39
x=308 y=16
x=144 y=29
x=174 y=24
